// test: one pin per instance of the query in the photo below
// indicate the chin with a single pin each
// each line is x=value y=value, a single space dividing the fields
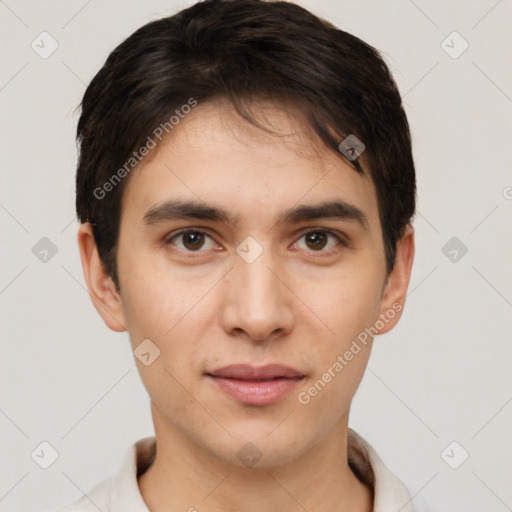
x=255 y=447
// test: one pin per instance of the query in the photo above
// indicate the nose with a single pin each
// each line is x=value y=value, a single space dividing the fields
x=257 y=301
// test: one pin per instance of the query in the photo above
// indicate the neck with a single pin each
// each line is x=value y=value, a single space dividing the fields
x=184 y=476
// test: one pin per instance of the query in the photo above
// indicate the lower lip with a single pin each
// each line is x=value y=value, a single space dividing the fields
x=257 y=392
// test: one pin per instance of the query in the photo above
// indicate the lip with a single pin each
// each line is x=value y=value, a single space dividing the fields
x=263 y=385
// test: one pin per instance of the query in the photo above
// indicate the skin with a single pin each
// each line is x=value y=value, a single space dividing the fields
x=296 y=304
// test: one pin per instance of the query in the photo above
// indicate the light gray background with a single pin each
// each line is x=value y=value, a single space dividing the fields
x=442 y=375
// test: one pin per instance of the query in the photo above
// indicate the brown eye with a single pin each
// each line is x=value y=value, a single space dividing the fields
x=316 y=240
x=191 y=241
x=320 y=240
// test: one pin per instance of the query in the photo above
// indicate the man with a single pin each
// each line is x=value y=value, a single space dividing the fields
x=245 y=188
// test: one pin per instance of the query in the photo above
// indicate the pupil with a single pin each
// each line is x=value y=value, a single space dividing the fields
x=316 y=239
x=193 y=240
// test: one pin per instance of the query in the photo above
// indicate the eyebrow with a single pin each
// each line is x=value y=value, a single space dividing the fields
x=178 y=209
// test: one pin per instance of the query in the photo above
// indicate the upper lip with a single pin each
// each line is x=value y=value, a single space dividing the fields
x=248 y=372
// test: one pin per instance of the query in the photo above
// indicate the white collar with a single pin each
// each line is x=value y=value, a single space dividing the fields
x=121 y=493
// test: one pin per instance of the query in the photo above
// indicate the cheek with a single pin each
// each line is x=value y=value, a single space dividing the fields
x=345 y=303
x=166 y=310
x=154 y=302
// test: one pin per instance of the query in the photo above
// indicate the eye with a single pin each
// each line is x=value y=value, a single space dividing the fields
x=191 y=240
x=317 y=240
x=194 y=240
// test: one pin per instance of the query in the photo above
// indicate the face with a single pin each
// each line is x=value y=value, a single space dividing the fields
x=255 y=281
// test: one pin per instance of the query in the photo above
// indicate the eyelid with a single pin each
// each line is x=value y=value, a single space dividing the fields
x=183 y=231
x=341 y=237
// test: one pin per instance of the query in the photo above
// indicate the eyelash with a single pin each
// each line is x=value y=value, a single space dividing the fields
x=195 y=254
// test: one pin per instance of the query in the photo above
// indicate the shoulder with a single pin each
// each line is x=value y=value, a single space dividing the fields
x=119 y=492
x=389 y=492
x=98 y=498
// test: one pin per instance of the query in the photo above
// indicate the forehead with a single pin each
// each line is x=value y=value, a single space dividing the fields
x=215 y=156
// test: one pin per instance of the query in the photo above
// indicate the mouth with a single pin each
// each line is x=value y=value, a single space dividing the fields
x=252 y=385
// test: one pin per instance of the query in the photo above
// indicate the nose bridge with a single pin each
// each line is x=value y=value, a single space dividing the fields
x=257 y=283
x=258 y=301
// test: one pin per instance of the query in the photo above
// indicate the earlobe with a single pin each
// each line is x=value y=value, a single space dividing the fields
x=398 y=281
x=101 y=288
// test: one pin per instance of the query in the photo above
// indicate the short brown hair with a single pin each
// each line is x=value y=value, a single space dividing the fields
x=241 y=50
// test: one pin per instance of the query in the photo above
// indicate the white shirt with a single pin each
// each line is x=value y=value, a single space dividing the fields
x=121 y=493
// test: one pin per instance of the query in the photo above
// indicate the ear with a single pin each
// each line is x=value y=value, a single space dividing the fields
x=101 y=287
x=395 y=290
